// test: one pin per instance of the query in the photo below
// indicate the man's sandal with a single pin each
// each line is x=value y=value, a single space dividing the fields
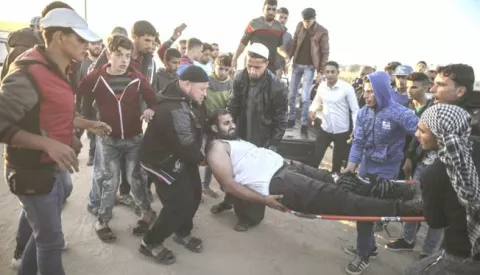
x=194 y=244
x=106 y=235
x=142 y=226
x=219 y=208
x=165 y=256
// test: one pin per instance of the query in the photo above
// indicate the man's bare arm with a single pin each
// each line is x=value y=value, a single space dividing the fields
x=219 y=162
x=240 y=49
x=283 y=52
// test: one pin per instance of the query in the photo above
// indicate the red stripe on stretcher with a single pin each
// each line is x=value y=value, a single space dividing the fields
x=357 y=218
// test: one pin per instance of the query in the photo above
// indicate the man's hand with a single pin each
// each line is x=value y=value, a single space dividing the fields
x=63 y=155
x=319 y=78
x=407 y=168
x=147 y=115
x=312 y=115
x=350 y=168
x=177 y=32
x=273 y=201
x=100 y=128
x=76 y=144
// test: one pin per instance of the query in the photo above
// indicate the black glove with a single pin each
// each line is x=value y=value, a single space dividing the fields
x=410 y=208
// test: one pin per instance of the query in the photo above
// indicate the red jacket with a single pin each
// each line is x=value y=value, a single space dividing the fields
x=122 y=114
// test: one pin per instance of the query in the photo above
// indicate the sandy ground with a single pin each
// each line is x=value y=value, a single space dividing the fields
x=282 y=244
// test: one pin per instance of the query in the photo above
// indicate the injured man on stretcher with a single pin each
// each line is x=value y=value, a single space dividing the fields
x=261 y=175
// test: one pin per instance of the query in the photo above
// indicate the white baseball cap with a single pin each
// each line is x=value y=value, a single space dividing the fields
x=67 y=18
x=259 y=49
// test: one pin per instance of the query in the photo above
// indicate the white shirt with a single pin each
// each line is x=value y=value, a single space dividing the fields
x=206 y=67
x=336 y=103
x=252 y=166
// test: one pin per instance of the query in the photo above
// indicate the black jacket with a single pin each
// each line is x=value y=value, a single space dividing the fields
x=272 y=110
x=174 y=135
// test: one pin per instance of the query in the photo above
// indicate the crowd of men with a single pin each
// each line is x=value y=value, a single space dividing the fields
x=61 y=79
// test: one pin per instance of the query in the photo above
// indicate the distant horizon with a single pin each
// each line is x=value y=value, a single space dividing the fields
x=372 y=32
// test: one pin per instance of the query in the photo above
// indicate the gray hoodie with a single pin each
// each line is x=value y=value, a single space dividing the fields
x=161 y=79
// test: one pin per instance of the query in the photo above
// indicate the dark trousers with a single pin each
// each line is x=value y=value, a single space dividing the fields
x=91 y=150
x=340 y=148
x=246 y=212
x=124 y=185
x=180 y=202
x=309 y=190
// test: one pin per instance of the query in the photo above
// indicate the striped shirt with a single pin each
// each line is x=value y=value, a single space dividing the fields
x=259 y=31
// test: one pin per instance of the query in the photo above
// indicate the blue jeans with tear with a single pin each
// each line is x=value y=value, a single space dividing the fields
x=113 y=151
x=43 y=252
x=97 y=177
x=299 y=71
x=432 y=241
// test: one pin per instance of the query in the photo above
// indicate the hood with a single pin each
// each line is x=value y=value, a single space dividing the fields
x=214 y=78
x=163 y=72
x=172 y=92
x=24 y=38
x=35 y=54
x=381 y=89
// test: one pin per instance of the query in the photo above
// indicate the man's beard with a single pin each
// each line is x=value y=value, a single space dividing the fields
x=94 y=54
x=270 y=18
x=229 y=136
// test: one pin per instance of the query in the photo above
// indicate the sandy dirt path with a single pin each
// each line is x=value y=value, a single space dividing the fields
x=281 y=245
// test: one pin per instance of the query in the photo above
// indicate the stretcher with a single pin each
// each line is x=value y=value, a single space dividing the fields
x=387 y=220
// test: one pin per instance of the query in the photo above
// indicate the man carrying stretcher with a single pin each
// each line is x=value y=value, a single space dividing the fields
x=263 y=176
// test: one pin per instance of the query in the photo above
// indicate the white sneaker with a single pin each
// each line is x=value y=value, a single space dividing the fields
x=16 y=260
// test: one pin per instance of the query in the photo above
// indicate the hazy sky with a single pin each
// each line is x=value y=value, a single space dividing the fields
x=367 y=31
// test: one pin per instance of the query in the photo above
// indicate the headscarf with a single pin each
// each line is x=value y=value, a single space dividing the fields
x=451 y=126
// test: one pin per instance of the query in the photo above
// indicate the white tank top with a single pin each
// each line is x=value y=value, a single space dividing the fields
x=252 y=166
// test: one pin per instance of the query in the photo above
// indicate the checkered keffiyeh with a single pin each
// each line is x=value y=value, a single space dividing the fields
x=35 y=21
x=451 y=125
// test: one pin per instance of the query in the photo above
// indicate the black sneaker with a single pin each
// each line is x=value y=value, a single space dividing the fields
x=400 y=245
x=304 y=131
x=352 y=251
x=90 y=161
x=290 y=123
x=357 y=266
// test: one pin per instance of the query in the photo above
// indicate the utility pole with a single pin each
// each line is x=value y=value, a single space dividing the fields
x=85 y=8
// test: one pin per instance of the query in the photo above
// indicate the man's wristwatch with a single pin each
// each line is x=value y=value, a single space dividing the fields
x=273 y=148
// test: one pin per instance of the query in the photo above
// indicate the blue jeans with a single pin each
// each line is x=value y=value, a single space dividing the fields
x=365 y=237
x=97 y=177
x=43 y=252
x=113 y=151
x=434 y=236
x=207 y=177
x=307 y=71
x=24 y=230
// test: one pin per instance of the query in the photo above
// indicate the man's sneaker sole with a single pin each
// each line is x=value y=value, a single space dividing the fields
x=373 y=255
x=356 y=272
x=398 y=249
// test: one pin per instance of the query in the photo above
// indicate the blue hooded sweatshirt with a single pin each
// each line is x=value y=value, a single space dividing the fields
x=380 y=132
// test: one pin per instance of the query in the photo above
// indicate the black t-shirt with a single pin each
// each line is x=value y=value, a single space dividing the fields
x=443 y=210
